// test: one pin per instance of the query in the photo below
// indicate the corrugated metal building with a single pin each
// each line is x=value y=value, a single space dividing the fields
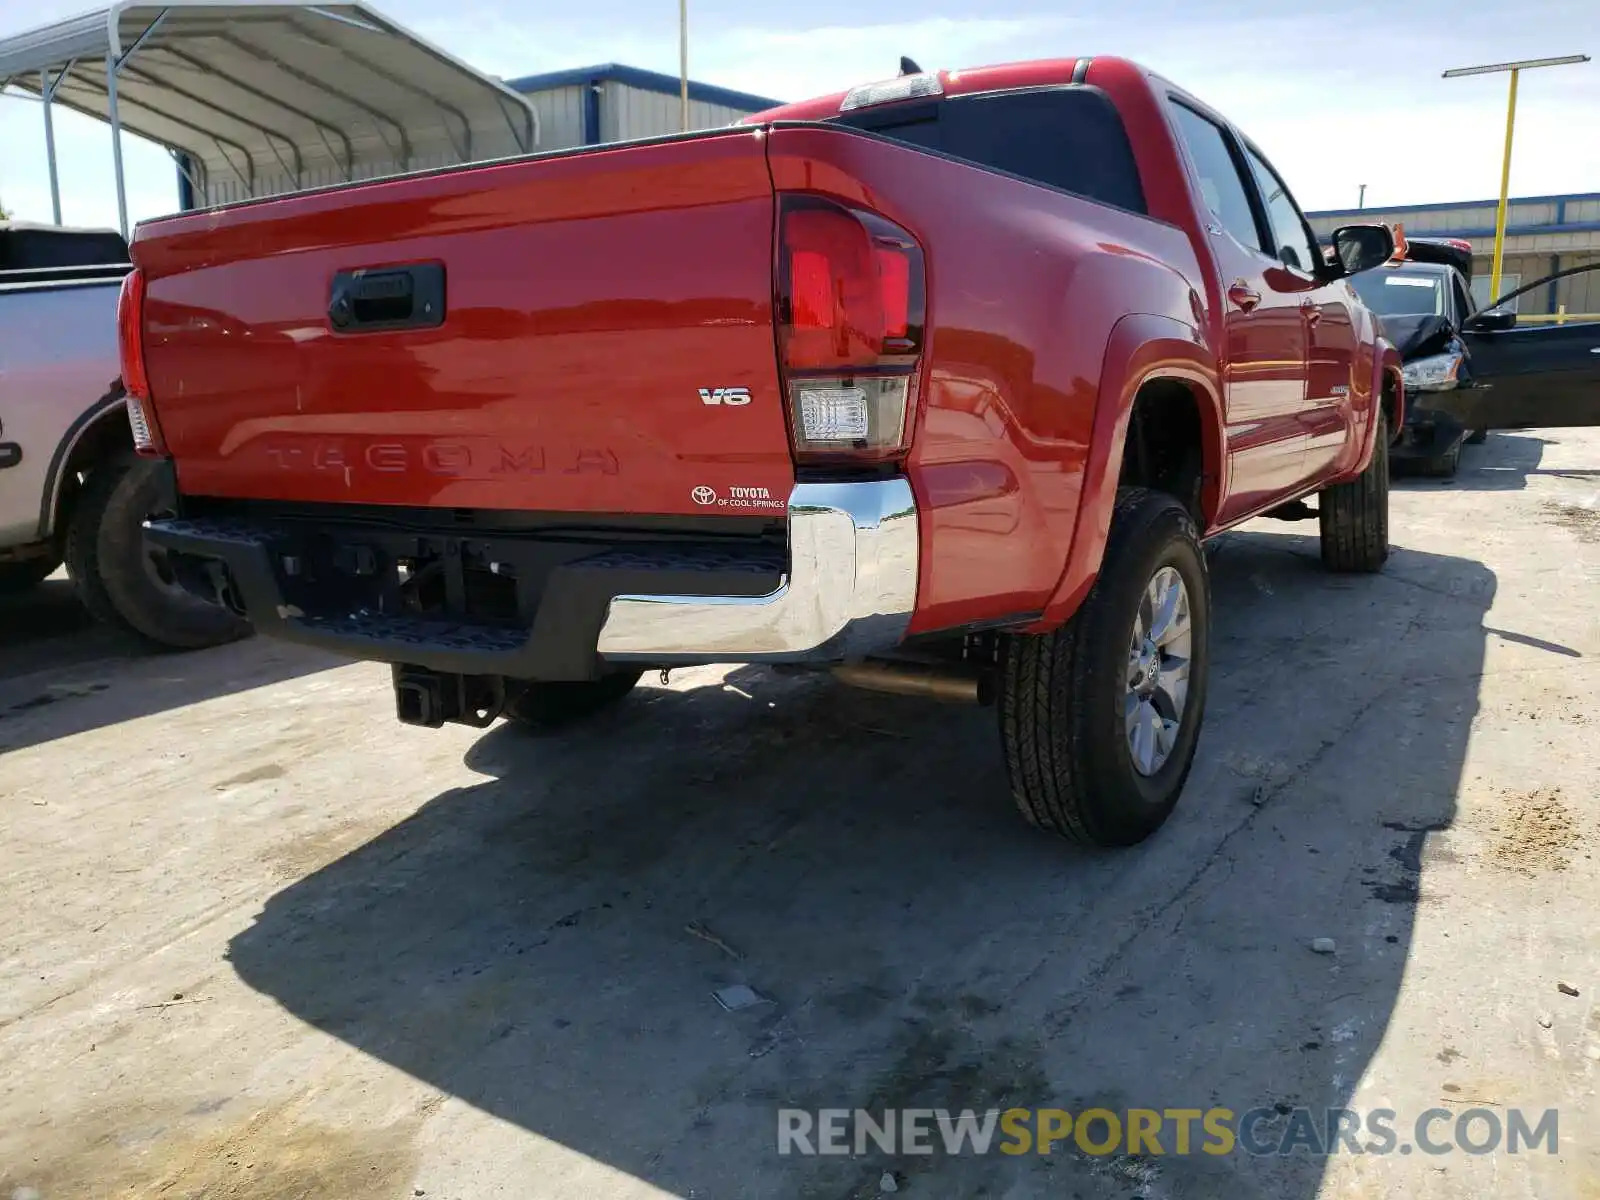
x=614 y=103
x=1544 y=234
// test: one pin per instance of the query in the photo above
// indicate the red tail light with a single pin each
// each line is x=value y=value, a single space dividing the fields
x=130 y=335
x=894 y=272
x=850 y=299
x=135 y=380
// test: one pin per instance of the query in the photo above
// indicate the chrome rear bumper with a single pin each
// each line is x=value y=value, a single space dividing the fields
x=850 y=590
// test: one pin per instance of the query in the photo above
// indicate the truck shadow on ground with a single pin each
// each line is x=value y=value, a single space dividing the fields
x=45 y=626
x=544 y=945
x=61 y=673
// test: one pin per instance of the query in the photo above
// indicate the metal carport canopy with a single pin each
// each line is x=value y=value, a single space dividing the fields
x=256 y=99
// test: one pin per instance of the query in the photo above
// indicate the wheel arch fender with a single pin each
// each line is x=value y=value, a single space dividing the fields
x=1390 y=380
x=1387 y=395
x=1143 y=348
x=99 y=431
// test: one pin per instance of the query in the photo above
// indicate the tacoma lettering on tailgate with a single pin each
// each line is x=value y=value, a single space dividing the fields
x=476 y=459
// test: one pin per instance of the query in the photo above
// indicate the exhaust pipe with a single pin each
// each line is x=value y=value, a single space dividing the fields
x=916 y=679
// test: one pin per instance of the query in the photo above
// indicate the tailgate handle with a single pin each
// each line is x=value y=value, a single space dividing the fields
x=369 y=300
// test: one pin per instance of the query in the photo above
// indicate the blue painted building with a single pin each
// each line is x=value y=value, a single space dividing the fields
x=1544 y=234
x=614 y=103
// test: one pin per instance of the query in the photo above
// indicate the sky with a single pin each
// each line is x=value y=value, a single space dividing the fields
x=1337 y=95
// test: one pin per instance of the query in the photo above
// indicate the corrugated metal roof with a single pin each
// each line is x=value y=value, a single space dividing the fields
x=74 y=37
x=296 y=91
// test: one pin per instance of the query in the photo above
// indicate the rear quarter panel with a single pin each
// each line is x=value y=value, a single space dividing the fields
x=58 y=368
x=1025 y=284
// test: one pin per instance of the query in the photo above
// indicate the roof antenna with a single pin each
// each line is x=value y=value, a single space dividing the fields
x=909 y=66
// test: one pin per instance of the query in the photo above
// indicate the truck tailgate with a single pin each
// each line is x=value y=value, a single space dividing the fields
x=601 y=311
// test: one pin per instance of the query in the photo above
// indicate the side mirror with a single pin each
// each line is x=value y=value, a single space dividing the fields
x=1361 y=247
x=1493 y=320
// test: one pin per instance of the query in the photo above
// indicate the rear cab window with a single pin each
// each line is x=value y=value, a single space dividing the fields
x=1068 y=137
x=38 y=248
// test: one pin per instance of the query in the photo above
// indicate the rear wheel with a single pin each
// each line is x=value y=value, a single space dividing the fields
x=120 y=579
x=1100 y=719
x=1354 y=516
x=18 y=577
x=542 y=705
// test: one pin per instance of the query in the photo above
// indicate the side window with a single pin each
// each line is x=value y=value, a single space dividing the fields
x=1464 y=304
x=1220 y=183
x=1291 y=245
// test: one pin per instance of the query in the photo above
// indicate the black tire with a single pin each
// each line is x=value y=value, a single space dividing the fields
x=1477 y=437
x=1061 y=695
x=542 y=705
x=1354 y=516
x=111 y=568
x=18 y=577
x=1445 y=465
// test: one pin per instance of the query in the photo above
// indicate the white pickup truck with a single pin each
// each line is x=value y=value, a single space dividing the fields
x=71 y=489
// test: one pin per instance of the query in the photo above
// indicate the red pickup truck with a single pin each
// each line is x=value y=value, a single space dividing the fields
x=937 y=384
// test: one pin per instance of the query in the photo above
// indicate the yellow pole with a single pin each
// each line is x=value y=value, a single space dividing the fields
x=1505 y=185
x=683 y=65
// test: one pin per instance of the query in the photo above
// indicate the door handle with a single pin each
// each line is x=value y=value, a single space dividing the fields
x=1312 y=311
x=1243 y=295
x=387 y=298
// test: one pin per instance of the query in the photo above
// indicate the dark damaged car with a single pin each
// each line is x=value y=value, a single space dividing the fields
x=1469 y=371
x=1422 y=302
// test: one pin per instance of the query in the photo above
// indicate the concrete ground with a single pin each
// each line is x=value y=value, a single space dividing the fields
x=261 y=941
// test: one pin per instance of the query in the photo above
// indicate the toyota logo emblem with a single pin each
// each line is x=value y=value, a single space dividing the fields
x=703 y=495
